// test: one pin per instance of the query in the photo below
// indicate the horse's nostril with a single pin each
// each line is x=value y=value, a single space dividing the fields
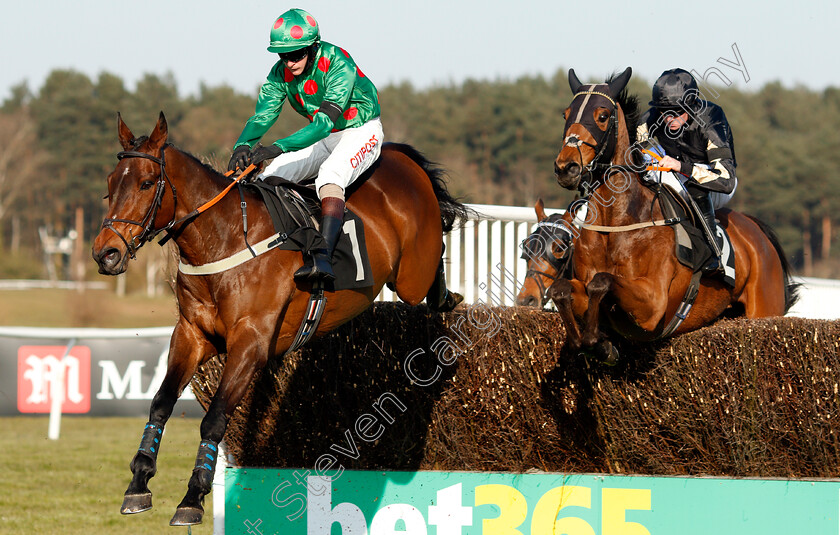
x=108 y=258
x=570 y=169
x=529 y=301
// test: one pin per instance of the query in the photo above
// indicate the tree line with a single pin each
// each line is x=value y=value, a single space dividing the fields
x=497 y=140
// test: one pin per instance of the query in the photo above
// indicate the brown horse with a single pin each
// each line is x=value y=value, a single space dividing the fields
x=627 y=277
x=252 y=312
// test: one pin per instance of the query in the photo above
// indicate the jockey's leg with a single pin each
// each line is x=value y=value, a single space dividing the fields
x=298 y=165
x=319 y=264
x=351 y=153
x=702 y=199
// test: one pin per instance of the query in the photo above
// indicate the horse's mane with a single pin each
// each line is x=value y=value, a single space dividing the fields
x=206 y=166
x=138 y=142
x=630 y=106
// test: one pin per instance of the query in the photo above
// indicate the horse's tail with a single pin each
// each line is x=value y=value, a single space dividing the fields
x=450 y=209
x=791 y=287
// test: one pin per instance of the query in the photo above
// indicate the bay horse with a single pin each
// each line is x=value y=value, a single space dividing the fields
x=625 y=275
x=252 y=312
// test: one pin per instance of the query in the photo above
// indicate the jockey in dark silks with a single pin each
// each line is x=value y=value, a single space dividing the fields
x=343 y=138
x=697 y=142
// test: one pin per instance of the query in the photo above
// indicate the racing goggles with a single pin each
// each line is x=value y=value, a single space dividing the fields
x=294 y=56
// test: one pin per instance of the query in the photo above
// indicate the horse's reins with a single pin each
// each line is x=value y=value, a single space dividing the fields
x=147 y=223
x=625 y=228
x=601 y=147
x=204 y=207
x=692 y=290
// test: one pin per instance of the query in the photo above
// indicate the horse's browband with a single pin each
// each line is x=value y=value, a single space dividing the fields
x=137 y=154
x=606 y=96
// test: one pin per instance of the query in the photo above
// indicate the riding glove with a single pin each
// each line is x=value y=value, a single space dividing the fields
x=239 y=158
x=260 y=153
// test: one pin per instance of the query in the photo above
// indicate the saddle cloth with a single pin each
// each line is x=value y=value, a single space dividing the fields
x=295 y=212
x=692 y=250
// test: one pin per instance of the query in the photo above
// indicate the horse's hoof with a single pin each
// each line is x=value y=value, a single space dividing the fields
x=610 y=354
x=612 y=357
x=187 y=516
x=136 y=503
x=453 y=299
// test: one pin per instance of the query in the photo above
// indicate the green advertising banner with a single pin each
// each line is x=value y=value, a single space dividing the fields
x=291 y=502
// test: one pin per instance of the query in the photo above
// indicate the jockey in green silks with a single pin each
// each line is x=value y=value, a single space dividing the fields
x=344 y=135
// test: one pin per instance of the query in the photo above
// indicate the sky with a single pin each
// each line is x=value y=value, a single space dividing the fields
x=429 y=42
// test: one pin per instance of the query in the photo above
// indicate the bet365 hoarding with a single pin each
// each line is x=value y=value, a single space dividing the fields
x=290 y=502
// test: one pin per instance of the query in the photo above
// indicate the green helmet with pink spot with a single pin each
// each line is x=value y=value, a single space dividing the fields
x=293 y=30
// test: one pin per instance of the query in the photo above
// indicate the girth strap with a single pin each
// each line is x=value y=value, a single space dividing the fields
x=685 y=307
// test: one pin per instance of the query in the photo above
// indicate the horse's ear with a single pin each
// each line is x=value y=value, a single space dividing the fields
x=158 y=137
x=574 y=83
x=618 y=84
x=539 y=208
x=125 y=135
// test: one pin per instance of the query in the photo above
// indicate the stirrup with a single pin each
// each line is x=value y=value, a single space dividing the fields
x=312 y=271
x=713 y=267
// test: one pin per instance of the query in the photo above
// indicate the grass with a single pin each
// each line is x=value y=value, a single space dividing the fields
x=75 y=485
x=91 y=308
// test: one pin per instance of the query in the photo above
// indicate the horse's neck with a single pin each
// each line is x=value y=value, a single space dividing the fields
x=622 y=194
x=621 y=199
x=207 y=236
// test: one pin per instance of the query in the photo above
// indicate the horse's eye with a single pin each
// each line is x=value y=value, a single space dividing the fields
x=146 y=184
x=604 y=116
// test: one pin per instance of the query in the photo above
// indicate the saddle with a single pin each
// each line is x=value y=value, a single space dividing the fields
x=296 y=210
x=691 y=248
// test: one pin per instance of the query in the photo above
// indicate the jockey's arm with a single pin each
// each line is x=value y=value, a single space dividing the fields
x=340 y=80
x=269 y=103
x=719 y=172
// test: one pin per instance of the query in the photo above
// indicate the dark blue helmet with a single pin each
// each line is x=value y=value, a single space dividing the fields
x=675 y=89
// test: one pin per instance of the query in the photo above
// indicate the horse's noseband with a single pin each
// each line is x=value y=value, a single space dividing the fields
x=148 y=232
x=605 y=140
x=559 y=265
x=574 y=141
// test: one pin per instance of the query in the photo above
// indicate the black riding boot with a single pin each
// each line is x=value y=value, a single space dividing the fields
x=703 y=201
x=319 y=264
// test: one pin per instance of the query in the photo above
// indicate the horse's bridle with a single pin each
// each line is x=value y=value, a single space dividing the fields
x=605 y=141
x=148 y=232
x=560 y=265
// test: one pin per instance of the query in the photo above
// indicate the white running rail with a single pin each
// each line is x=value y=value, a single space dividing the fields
x=483 y=257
